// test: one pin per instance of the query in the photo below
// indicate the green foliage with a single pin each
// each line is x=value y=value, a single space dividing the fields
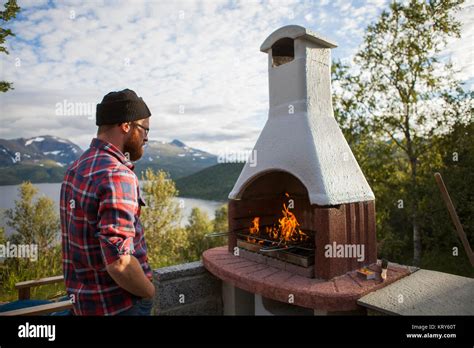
x=2 y=236
x=401 y=97
x=49 y=264
x=220 y=223
x=166 y=239
x=34 y=221
x=10 y=12
x=199 y=225
x=455 y=161
x=168 y=243
x=204 y=185
x=5 y=86
x=16 y=174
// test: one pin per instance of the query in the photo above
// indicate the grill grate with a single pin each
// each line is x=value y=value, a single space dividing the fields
x=301 y=255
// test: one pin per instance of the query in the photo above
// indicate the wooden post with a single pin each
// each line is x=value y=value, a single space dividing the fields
x=454 y=217
x=24 y=293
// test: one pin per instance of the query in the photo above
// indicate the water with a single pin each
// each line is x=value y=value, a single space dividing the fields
x=9 y=193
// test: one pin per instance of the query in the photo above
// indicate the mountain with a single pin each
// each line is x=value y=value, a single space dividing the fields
x=14 y=175
x=213 y=183
x=175 y=157
x=45 y=158
x=178 y=143
x=43 y=150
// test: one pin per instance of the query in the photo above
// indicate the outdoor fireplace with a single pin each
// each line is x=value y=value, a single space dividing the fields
x=301 y=215
x=304 y=200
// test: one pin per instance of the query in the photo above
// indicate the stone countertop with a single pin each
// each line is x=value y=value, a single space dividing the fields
x=424 y=292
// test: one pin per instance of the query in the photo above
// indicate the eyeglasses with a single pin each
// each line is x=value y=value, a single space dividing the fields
x=144 y=128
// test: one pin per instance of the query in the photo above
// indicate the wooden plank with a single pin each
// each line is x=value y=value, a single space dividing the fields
x=24 y=294
x=39 y=310
x=232 y=240
x=360 y=228
x=321 y=217
x=356 y=224
x=337 y=233
x=371 y=233
x=38 y=282
x=353 y=231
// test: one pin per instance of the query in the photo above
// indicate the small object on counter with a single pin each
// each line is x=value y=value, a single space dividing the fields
x=366 y=273
x=383 y=275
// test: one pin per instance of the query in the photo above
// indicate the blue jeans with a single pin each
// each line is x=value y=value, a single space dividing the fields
x=141 y=307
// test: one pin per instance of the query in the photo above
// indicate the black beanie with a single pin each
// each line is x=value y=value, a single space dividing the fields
x=119 y=107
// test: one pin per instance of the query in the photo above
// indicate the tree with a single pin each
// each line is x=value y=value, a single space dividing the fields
x=403 y=90
x=455 y=161
x=11 y=10
x=199 y=225
x=34 y=221
x=161 y=219
x=220 y=223
x=168 y=243
x=2 y=235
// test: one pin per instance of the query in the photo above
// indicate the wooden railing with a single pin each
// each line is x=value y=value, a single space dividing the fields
x=24 y=293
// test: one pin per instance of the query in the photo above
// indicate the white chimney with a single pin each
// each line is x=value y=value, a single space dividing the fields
x=301 y=135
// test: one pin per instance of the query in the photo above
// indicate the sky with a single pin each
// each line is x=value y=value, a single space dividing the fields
x=197 y=64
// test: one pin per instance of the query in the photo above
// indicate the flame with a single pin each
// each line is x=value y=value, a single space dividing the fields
x=255 y=222
x=287 y=230
x=254 y=231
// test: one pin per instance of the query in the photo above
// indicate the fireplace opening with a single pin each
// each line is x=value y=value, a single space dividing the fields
x=283 y=51
x=273 y=219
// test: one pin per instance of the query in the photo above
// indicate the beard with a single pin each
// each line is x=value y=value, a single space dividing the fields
x=134 y=146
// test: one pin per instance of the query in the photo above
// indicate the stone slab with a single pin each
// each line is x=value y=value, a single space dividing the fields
x=206 y=306
x=424 y=292
x=186 y=290
x=179 y=271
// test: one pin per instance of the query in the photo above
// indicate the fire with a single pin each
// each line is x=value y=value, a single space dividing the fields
x=255 y=225
x=254 y=231
x=287 y=231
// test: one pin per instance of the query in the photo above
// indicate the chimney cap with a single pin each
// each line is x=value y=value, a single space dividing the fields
x=294 y=32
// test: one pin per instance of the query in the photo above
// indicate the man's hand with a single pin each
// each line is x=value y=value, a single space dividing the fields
x=129 y=275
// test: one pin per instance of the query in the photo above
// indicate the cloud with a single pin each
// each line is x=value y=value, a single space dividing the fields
x=201 y=55
x=461 y=51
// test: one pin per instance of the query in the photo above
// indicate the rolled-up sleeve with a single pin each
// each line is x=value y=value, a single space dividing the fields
x=118 y=204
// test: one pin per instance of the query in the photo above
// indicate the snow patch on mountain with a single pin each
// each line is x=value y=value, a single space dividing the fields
x=30 y=141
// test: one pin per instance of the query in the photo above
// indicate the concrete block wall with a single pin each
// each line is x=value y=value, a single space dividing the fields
x=187 y=289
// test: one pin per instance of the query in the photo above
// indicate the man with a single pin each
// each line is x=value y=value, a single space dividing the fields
x=104 y=252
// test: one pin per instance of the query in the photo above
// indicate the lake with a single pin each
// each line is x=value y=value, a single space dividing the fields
x=9 y=193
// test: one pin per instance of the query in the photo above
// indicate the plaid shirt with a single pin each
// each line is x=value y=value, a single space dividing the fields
x=100 y=209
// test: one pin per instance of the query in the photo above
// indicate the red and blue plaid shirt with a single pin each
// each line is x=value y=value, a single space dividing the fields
x=100 y=221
